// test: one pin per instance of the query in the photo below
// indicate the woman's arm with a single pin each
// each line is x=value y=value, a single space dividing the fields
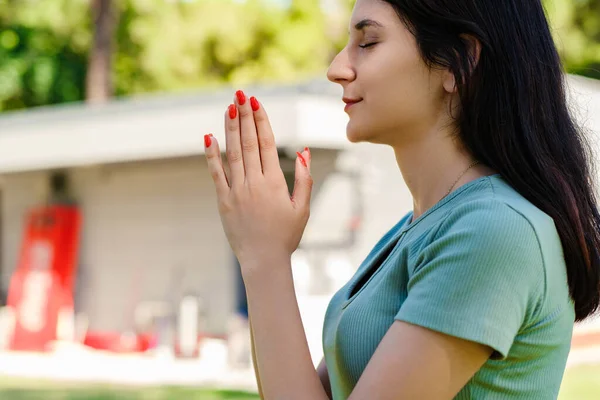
x=281 y=349
x=321 y=370
x=324 y=377
x=412 y=362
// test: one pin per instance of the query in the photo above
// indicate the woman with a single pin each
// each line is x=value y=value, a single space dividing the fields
x=474 y=293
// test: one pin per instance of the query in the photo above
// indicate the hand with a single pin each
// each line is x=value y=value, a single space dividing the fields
x=262 y=221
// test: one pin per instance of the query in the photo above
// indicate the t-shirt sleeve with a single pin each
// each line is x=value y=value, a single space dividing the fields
x=479 y=278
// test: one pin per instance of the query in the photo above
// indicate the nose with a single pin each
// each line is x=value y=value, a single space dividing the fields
x=340 y=71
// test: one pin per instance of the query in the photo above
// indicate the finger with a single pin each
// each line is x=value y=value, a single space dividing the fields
x=215 y=165
x=303 y=183
x=266 y=139
x=248 y=137
x=307 y=156
x=233 y=150
x=220 y=158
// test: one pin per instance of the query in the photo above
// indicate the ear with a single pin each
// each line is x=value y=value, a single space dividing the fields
x=474 y=51
x=449 y=81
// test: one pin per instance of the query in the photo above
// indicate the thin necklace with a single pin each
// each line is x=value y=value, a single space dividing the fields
x=474 y=163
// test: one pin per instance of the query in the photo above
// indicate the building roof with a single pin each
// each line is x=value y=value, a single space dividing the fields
x=161 y=126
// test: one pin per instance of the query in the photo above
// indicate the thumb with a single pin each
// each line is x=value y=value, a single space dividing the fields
x=303 y=182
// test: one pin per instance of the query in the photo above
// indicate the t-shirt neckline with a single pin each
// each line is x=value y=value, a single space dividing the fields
x=409 y=225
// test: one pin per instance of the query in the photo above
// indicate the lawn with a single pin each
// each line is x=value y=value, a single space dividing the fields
x=38 y=391
x=580 y=383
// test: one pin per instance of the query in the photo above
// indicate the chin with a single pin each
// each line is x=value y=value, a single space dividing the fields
x=354 y=138
x=357 y=134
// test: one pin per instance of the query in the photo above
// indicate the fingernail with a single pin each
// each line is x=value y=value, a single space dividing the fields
x=232 y=111
x=254 y=103
x=241 y=97
x=302 y=160
x=307 y=150
x=207 y=140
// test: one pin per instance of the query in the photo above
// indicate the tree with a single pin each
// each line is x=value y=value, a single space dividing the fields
x=176 y=46
x=45 y=46
x=576 y=28
x=99 y=87
x=162 y=46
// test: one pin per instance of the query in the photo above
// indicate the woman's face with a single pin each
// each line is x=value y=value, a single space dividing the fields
x=398 y=98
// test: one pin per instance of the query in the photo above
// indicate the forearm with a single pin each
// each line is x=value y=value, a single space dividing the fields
x=282 y=355
x=254 y=361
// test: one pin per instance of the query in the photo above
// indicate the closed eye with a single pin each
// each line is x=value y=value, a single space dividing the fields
x=364 y=46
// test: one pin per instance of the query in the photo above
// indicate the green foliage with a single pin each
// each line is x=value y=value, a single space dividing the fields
x=160 y=46
x=170 y=45
x=42 y=52
x=576 y=28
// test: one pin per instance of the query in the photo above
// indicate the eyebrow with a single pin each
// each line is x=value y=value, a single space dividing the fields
x=365 y=23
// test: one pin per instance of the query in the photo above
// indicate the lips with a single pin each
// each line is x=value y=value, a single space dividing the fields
x=350 y=102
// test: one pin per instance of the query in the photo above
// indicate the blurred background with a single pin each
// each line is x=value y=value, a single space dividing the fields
x=116 y=280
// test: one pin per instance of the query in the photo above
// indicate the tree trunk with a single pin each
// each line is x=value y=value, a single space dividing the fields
x=99 y=86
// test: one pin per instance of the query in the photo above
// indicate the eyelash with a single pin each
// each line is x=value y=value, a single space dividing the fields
x=365 y=46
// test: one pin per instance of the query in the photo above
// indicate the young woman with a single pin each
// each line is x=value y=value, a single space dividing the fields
x=474 y=293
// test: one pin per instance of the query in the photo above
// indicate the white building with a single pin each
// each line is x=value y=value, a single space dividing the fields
x=151 y=231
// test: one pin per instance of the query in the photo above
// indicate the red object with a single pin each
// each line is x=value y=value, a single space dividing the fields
x=302 y=160
x=232 y=111
x=117 y=342
x=241 y=97
x=207 y=140
x=254 y=103
x=42 y=284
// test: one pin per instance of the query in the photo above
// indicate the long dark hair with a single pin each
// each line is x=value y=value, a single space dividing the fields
x=514 y=116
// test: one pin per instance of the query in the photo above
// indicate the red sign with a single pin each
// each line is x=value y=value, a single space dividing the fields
x=42 y=284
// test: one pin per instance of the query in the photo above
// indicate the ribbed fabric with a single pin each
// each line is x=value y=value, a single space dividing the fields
x=483 y=264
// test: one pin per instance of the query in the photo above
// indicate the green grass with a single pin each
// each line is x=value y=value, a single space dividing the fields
x=581 y=383
x=35 y=390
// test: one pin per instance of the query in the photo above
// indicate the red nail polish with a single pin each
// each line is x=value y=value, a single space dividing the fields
x=241 y=97
x=302 y=160
x=232 y=111
x=307 y=150
x=254 y=103
x=207 y=140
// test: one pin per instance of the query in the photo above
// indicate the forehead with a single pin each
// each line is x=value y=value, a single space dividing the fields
x=372 y=14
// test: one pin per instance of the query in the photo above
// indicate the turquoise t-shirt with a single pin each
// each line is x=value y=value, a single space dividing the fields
x=483 y=264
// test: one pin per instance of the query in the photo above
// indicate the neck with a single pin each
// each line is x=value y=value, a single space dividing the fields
x=431 y=165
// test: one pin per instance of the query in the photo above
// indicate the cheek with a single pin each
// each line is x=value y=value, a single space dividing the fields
x=403 y=92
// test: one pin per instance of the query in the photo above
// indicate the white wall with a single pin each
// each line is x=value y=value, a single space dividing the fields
x=19 y=193
x=151 y=228
x=143 y=224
